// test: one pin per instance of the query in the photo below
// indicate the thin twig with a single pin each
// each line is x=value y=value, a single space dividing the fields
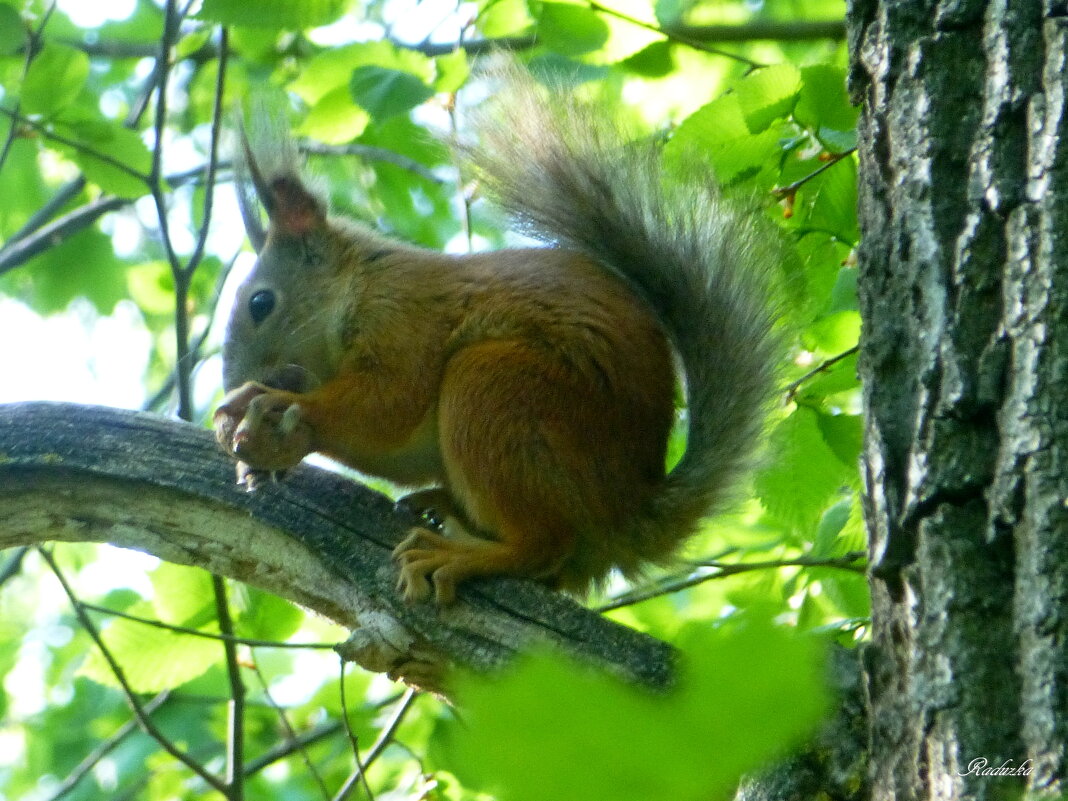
x=102 y=750
x=138 y=708
x=307 y=738
x=291 y=734
x=373 y=153
x=57 y=231
x=674 y=35
x=74 y=143
x=213 y=153
x=289 y=746
x=822 y=367
x=723 y=569
x=384 y=739
x=235 y=734
x=33 y=47
x=251 y=643
x=781 y=192
x=13 y=565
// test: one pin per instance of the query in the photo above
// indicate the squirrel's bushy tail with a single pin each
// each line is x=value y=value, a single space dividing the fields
x=571 y=177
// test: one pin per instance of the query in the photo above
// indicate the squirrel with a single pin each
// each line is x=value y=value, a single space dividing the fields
x=532 y=388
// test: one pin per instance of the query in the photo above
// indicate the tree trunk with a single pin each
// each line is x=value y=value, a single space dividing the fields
x=963 y=292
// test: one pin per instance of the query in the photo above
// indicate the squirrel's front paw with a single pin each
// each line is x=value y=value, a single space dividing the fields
x=263 y=428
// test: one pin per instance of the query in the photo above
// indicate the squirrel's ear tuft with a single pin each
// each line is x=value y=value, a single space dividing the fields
x=292 y=207
x=269 y=164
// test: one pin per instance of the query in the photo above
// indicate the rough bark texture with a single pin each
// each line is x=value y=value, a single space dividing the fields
x=78 y=473
x=965 y=365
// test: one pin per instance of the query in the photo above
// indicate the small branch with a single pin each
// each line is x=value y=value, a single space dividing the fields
x=235 y=729
x=102 y=750
x=291 y=734
x=384 y=739
x=13 y=566
x=298 y=742
x=782 y=192
x=33 y=47
x=56 y=232
x=793 y=386
x=79 y=146
x=725 y=569
x=213 y=153
x=138 y=708
x=674 y=35
x=170 y=30
x=764 y=30
x=373 y=153
x=207 y=635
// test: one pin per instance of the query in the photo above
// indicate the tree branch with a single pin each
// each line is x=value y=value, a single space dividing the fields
x=82 y=473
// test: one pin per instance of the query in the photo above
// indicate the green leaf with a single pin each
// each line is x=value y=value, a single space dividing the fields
x=719 y=130
x=55 y=78
x=333 y=67
x=823 y=105
x=844 y=434
x=571 y=30
x=152 y=659
x=500 y=18
x=385 y=92
x=452 y=71
x=833 y=333
x=107 y=148
x=839 y=377
x=804 y=473
x=82 y=266
x=289 y=14
x=183 y=596
x=335 y=119
x=828 y=202
x=554 y=729
x=13 y=31
x=768 y=94
x=265 y=616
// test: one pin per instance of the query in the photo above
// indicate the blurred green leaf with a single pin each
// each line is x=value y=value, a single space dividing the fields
x=571 y=29
x=152 y=659
x=768 y=94
x=804 y=474
x=520 y=731
x=265 y=616
x=182 y=595
x=13 y=33
x=105 y=149
x=385 y=92
x=823 y=105
x=290 y=14
x=335 y=119
x=55 y=78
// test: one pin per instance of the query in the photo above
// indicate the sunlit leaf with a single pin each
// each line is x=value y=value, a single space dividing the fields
x=520 y=731
x=274 y=13
x=767 y=94
x=12 y=30
x=55 y=78
x=385 y=92
x=804 y=474
x=152 y=659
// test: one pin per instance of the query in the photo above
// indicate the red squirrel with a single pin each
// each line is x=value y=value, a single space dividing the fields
x=534 y=388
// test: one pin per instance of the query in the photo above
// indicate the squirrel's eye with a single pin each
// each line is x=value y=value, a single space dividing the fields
x=260 y=305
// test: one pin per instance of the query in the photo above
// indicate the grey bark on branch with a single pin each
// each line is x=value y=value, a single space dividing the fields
x=92 y=474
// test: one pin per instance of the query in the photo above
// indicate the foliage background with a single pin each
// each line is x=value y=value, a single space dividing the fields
x=118 y=214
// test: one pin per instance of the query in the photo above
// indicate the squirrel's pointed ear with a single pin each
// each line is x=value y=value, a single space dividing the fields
x=292 y=207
